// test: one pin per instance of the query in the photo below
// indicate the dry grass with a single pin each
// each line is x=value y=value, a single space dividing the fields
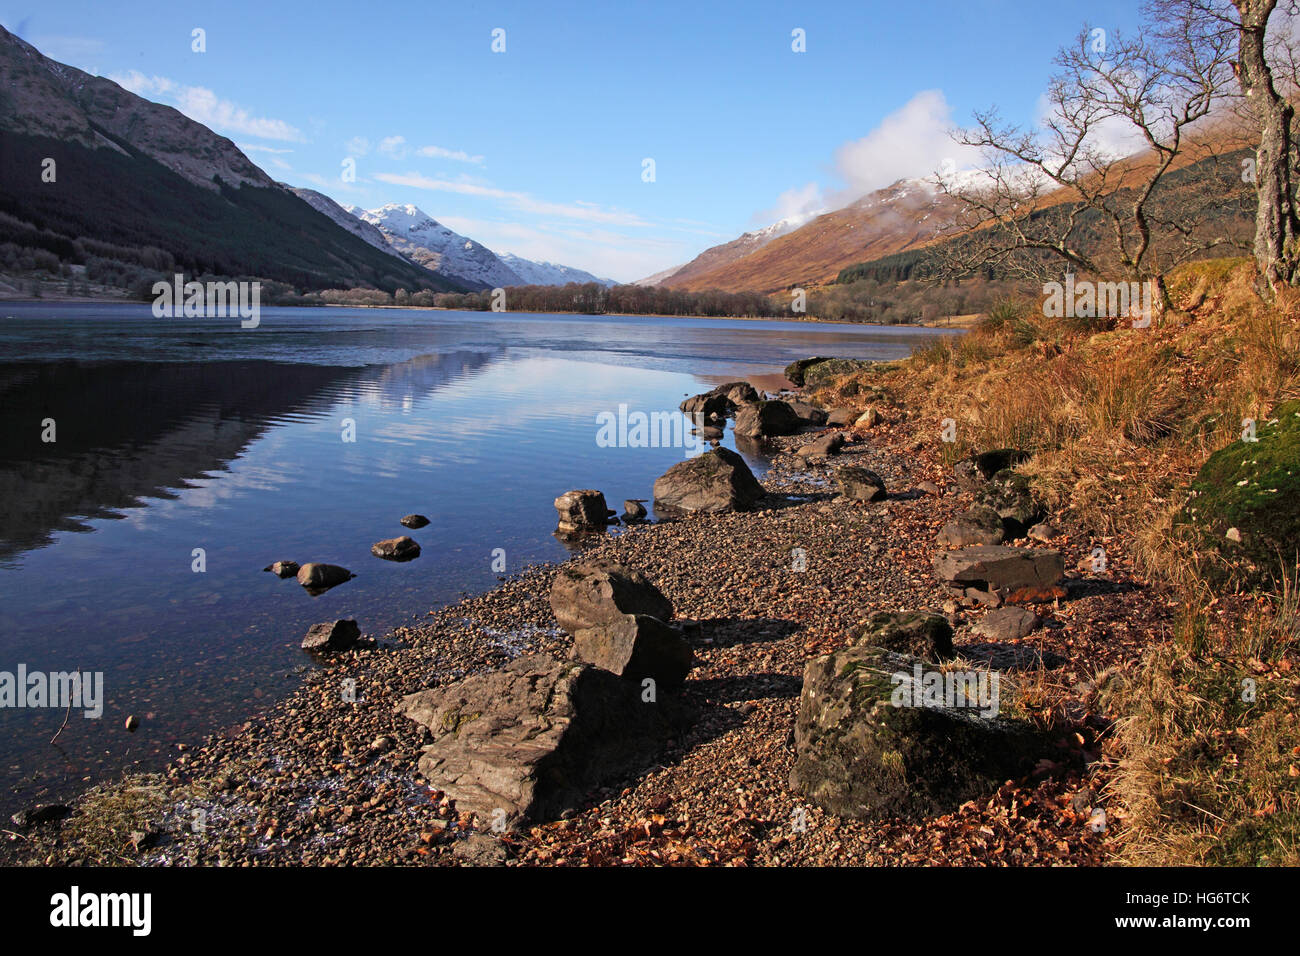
x=1119 y=421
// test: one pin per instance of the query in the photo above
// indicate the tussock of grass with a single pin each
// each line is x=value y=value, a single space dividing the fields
x=1119 y=421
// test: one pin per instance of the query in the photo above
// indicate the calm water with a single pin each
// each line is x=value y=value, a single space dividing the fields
x=178 y=434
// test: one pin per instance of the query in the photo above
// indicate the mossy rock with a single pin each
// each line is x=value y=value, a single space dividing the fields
x=861 y=751
x=919 y=633
x=1254 y=488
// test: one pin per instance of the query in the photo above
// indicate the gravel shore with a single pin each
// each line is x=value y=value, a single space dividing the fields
x=328 y=776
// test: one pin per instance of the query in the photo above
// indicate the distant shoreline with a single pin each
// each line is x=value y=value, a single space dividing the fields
x=957 y=322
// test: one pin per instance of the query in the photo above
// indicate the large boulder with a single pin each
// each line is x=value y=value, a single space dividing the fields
x=592 y=593
x=636 y=646
x=980 y=525
x=766 y=419
x=881 y=735
x=808 y=414
x=917 y=633
x=1243 y=515
x=581 y=510
x=1013 y=574
x=536 y=737
x=859 y=484
x=317 y=577
x=716 y=481
x=794 y=371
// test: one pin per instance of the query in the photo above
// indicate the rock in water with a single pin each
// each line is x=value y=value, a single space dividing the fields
x=283 y=569
x=634 y=511
x=589 y=594
x=864 y=748
x=414 y=521
x=581 y=510
x=401 y=548
x=980 y=525
x=317 y=577
x=332 y=636
x=1013 y=574
x=709 y=407
x=536 y=737
x=717 y=481
x=764 y=419
x=738 y=393
x=860 y=484
x=636 y=646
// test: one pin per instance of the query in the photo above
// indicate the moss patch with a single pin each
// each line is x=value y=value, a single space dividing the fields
x=1253 y=487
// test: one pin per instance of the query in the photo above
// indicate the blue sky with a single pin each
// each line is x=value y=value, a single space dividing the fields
x=539 y=150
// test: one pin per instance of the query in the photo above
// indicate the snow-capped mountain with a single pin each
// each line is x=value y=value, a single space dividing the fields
x=547 y=273
x=424 y=240
x=718 y=257
x=343 y=217
x=417 y=236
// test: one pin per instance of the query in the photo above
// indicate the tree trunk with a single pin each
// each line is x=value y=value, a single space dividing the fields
x=1276 y=224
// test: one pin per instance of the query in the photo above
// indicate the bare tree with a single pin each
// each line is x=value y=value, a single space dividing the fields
x=1065 y=192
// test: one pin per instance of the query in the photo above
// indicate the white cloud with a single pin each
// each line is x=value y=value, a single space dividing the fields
x=798 y=205
x=913 y=142
x=586 y=211
x=251 y=148
x=204 y=106
x=460 y=156
x=357 y=146
x=394 y=146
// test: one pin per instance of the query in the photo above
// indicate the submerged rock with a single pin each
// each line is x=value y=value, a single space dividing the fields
x=317 y=577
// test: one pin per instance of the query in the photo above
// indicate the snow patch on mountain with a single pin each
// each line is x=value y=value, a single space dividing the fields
x=531 y=272
x=422 y=239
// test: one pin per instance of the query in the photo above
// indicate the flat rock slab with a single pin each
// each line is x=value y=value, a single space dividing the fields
x=1006 y=624
x=1013 y=573
x=535 y=738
